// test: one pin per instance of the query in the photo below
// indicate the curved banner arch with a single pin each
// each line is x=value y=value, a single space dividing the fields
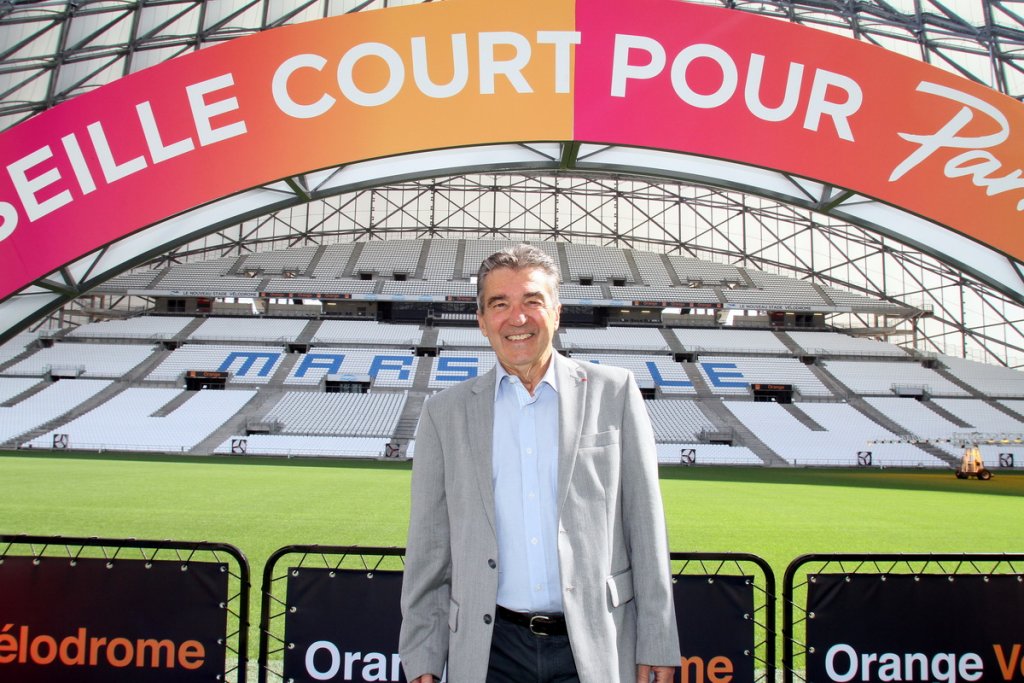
x=653 y=86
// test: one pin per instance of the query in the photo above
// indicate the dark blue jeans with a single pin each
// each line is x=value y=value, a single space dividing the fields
x=519 y=656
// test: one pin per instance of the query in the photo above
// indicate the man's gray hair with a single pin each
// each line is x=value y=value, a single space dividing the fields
x=517 y=257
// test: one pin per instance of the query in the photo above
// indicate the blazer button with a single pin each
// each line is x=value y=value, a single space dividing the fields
x=487 y=618
x=492 y=564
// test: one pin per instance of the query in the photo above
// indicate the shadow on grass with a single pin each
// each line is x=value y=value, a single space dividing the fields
x=1003 y=483
x=239 y=460
x=1007 y=483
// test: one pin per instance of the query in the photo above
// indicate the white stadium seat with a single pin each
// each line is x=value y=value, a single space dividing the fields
x=83 y=360
x=127 y=422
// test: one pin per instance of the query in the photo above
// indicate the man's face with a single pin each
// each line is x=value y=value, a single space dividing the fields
x=519 y=318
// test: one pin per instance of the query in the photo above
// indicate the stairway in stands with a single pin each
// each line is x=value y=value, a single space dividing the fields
x=788 y=342
x=803 y=418
x=405 y=429
x=988 y=400
x=722 y=415
x=875 y=415
x=187 y=331
x=236 y=425
x=14 y=360
x=634 y=269
x=79 y=410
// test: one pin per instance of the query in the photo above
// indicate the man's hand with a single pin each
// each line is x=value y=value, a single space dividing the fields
x=425 y=678
x=662 y=674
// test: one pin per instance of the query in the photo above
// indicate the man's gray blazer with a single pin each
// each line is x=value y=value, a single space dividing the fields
x=612 y=544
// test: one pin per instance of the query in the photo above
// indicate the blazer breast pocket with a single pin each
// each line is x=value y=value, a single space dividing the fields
x=598 y=464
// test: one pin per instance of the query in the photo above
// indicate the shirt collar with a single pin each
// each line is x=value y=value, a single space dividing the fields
x=550 y=377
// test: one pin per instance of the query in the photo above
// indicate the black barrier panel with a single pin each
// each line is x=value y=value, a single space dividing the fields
x=904 y=617
x=154 y=599
x=725 y=610
x=716 y=631
x=342 y=625
x=333 y=615
x=874 y=627
x=90 y=619
x=307 y=611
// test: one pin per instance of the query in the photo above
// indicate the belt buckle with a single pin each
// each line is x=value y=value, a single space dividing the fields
x=541 y=620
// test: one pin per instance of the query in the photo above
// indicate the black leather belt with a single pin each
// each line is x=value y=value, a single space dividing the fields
x=539 y=624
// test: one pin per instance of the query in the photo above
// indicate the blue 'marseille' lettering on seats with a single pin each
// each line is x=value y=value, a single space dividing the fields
x=656 y=376
x=717 y=373
x=248 y=359
x=462 y=368
x=660 y=381
x=400 y=364
x=331 y=362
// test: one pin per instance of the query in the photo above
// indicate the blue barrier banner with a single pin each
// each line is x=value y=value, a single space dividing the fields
x=95 y=620
x=716 y=628
x=903 y=627
x=342 y=625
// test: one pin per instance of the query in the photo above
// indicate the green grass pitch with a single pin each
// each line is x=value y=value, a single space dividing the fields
x=260 y=505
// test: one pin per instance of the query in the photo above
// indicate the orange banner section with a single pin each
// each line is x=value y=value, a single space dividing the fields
x=283 y=102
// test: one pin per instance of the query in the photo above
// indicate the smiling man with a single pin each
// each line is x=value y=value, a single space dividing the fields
x=519 y=314
x=537 y=550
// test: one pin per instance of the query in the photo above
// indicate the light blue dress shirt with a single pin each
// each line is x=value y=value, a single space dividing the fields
x=525 y=459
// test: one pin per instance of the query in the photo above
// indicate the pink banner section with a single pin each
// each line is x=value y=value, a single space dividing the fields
x=730 y=85
x=659 y=74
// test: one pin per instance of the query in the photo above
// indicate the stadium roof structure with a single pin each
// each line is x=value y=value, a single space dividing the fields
x=52 y=52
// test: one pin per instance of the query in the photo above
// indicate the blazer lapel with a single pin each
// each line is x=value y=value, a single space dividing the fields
x=572 y=396
x=480 y=413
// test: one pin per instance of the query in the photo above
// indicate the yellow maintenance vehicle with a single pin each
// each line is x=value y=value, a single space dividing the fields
x=973 y=465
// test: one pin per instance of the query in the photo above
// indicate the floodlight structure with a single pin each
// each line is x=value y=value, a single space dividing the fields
x=52 y=51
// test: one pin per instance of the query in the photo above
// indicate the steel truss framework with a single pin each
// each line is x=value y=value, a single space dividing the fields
x=52 y=51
